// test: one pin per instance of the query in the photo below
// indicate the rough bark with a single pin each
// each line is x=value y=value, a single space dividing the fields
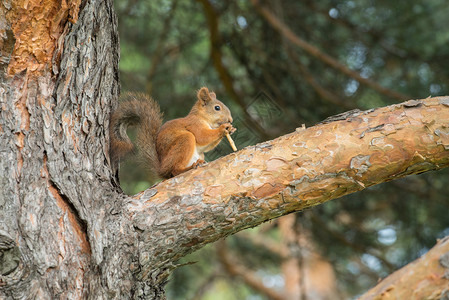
x=58 y=80
x=66 y=231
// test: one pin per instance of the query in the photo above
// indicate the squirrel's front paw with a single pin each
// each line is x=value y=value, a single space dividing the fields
x=227 y=127
x=232 y=129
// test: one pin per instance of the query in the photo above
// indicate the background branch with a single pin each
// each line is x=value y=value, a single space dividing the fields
x=425 y=278
x=216 y=55
x=315 y=52
x=235 y=268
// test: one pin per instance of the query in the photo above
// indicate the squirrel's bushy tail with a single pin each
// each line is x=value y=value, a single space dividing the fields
x=141 y=110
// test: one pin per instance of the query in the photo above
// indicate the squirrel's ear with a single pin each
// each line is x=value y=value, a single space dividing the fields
x=212 y=95
x=203 y=95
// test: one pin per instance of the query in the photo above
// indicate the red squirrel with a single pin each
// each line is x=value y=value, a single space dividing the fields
x=176 y=146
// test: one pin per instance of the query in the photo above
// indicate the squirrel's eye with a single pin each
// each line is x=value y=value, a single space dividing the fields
x=217 y=107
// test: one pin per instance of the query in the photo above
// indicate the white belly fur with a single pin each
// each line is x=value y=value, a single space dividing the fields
x=195 y=157
x=198 y=153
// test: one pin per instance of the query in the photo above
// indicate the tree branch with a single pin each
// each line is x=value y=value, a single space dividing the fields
x=308 y=167
x=425 y=278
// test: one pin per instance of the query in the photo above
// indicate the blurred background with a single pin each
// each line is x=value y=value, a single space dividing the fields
x=278 y=65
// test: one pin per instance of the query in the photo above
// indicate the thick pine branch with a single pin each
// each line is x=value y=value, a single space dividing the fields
x=342 y=155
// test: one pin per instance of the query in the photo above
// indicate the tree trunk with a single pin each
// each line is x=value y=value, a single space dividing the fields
x=57 y=85
x=66 y=229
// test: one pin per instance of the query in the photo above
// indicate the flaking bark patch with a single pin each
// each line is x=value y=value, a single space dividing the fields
x=266 y=190
x=37 y=26
x=360 y=163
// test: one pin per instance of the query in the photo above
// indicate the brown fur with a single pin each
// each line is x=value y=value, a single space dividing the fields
x=179 y=144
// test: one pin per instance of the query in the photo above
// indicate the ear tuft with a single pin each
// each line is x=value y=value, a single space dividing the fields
x=203 y=95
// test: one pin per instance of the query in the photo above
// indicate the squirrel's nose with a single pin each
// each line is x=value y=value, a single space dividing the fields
x=230 y=119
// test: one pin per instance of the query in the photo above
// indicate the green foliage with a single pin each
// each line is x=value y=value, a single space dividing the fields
x=401 y=45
